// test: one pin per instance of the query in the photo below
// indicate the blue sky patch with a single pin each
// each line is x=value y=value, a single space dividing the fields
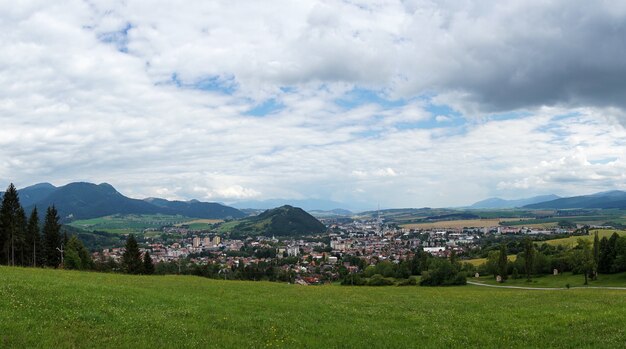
x=359 y=96
x=117 y=38
x=269 y=106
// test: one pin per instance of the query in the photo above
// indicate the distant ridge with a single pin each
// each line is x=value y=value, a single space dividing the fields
x=502 y=203
x=82 y=200
x=603 y=200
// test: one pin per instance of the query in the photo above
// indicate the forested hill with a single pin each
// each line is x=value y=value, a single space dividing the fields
x=87 y=200
x=281 y=221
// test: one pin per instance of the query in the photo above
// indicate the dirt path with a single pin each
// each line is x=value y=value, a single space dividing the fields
x=546 y=288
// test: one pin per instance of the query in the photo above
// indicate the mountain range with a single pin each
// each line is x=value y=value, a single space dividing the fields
x=502 y=203
x=603 y=200
x=306 y=204
x=82 y=200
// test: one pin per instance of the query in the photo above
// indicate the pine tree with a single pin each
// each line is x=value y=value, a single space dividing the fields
x=9 y=228
x=20 y=236
x=52 y=238
x=33 y=239
x=148 y=266
x=131 y=259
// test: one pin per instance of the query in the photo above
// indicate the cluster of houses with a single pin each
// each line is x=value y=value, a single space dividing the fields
x=370 y=240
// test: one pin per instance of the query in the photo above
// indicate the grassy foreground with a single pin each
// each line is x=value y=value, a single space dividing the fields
x=59 y=309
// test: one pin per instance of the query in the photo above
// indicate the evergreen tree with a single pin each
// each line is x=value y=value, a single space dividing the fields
x=529 y=257
x=33 y=239
x=148 y=266
x=20 y=237
x=9 y=225
x=502 y=262
x=131 y=259
x=52 y=238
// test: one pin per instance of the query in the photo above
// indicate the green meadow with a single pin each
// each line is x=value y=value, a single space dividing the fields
x=126 y=224
x=62 y=309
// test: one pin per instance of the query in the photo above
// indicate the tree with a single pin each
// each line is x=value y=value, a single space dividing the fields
x=529 y=257
x=52 y=238
x=581 y=258
x=9 y=228
x=33 y=238
x=596 y=255
x=148 y=266
x=76 y=255
x=131 y=259
x=502 y=262
x=20 y=236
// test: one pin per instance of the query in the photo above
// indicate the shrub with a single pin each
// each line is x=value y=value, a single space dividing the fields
x=379 y=280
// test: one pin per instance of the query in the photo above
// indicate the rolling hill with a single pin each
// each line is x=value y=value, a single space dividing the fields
x=281 y=221
x=83 y=200
x=603 y=200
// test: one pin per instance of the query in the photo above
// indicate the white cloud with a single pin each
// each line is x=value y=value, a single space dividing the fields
x=106 y=91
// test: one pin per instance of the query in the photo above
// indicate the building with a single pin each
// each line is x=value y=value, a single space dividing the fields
x=196 y=242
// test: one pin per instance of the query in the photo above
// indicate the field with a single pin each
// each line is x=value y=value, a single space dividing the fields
x=200 y=224
x=455 y=224
x=52 y=309
x=126 y=224
x=572 y=240
x=559 y=281
x=478 y=261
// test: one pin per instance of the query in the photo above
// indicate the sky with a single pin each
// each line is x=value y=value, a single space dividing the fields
x=390 y=103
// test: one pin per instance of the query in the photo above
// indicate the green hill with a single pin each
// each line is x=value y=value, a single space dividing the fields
x=62 y=309
x=281 y=221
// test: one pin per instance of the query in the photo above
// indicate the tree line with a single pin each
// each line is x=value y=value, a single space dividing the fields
x=589 y=259
x=24 y=242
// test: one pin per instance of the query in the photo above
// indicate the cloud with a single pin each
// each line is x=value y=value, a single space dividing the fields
x=226 y=101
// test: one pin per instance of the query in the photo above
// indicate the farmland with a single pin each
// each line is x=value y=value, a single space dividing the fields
x=54 y=308
x=461 y=223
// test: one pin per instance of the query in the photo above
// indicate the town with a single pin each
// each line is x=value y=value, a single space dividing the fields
x=348 y=246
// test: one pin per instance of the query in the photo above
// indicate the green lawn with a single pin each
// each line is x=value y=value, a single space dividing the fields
x=559 y=280
x=60 y=309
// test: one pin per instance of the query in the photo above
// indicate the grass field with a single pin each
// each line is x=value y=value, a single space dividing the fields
x=572 y=240
x=559 y=281
x=478 y=261
x=126 y=224
x=60 y=309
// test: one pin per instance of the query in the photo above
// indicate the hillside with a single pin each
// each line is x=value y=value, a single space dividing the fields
x=282 y=221
x=502 y=203
x=603 y=200
x=61 y=309
x=86 y=200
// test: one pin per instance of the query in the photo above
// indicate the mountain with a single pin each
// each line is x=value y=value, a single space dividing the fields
x=34 y=193
x=87 y=200
x=306 y=204
x=502 y=203
x=338 y=212
x=281 y=221
x=195 y=208
x=607 y=199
